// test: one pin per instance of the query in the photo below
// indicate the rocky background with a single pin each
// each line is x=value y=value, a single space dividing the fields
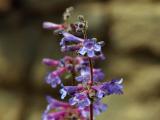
x=131 y=30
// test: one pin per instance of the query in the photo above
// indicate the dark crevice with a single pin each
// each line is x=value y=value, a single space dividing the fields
x=152 y=95
x=145 y=54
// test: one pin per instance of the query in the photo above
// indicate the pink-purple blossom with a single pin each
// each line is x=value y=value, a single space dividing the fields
x=57 y=110
x=52 y=26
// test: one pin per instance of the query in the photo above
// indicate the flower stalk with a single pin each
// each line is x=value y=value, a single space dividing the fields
x=87 y=89
x=91 y=83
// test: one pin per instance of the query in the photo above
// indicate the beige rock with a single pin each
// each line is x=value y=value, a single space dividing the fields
x=135 y=1
x=136 y=26
x=146 y=82
x=39 y=73
x=7 y=74
x=123 y=66
x=36 y=109
x=11 y=105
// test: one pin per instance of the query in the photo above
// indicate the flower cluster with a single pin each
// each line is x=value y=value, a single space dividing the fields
x=62 y=111
x=86 y=89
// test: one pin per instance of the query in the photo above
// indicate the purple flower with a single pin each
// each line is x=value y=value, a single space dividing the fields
x=98 y=75
x=50 y=62
x=54 y=116
x=52 y=26
x=53 y=77
x=90 y=47
x=57 y=110
x=54 y=80
x=63 y=93
x=81 y=63
x=70 y=90
x=84 y=77
x=69 y=38
x=108 y=88
x=113 y=87
x=54 y=104
x=99 y=107
x=67 y=48
x=80 y=99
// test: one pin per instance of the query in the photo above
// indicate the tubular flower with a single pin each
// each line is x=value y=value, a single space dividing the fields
x=62 y=66
x=70 y=90
x=69 y=38
x=61 y=111
x=98 y=75
x=99 y=107
x=90 y=47
x=80 y=99
x=108 y=88
x=53 y=26
x=53 y=78
x=84 y=46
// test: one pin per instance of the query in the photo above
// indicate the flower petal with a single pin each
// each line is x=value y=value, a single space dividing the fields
x=63 y=93
x=82 y=51
x=97 y=47
x=90 y=53
x=51 y=26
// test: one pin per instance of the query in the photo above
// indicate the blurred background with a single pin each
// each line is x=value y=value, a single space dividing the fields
x=131 y=30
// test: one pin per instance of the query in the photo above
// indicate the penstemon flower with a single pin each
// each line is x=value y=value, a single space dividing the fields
x=108 y=88
x=62 y=111
x=53 y=26
x=90 y=47
x=86 y=89
x=98 y=75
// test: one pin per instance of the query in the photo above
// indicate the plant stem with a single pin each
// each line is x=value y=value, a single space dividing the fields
x=91 y=74
x=91 y=111
x=73 y=76
x=91 y=71
x=91 y=83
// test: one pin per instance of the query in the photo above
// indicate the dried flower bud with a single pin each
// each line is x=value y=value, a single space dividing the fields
x=102 y=43
x=80 y=27
x=70 y=9
x=67 y=13
x=81 y=18
x=66 y=16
